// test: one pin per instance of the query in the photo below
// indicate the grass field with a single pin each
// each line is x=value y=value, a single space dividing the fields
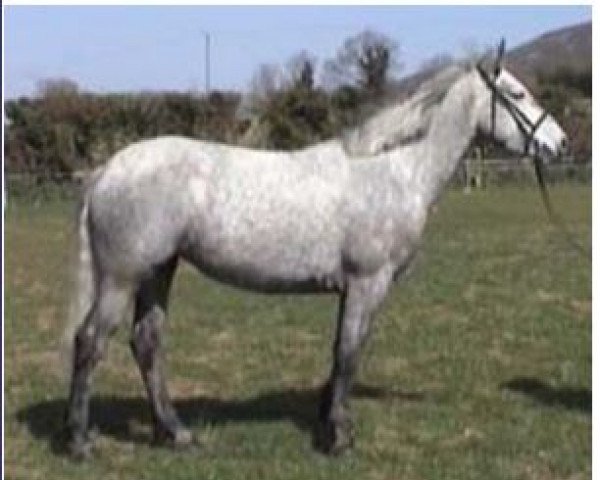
x=479 y=367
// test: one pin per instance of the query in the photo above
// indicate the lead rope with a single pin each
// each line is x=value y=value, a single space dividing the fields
x=555 y=219
x=522 y=123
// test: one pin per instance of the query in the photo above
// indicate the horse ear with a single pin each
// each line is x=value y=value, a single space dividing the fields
x=501 y=48
x=499 y=57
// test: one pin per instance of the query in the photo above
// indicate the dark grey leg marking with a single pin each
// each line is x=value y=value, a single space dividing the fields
x=89 y=347
x=357 y=306
x=150 y=313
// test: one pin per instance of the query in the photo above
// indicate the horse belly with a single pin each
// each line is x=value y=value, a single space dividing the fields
x=268 y=253
x=267 y=225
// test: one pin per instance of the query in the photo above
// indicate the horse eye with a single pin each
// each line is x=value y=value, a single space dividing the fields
x=518 y=95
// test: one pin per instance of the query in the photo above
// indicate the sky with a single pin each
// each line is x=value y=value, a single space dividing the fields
x=157 y=48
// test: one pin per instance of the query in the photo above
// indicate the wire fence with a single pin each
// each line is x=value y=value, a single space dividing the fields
x=499 y=172
x=42 y=186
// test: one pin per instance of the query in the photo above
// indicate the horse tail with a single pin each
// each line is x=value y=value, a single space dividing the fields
x=83 y=277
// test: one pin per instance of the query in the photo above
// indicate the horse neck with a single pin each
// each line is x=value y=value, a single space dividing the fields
x=436 y=157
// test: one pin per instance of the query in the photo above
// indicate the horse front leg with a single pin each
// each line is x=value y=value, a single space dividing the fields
x=357 y=305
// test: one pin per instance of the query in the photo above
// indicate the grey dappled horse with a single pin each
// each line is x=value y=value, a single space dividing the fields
x=344 y=216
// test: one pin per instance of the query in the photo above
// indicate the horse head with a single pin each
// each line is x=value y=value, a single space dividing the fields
x=510 y=114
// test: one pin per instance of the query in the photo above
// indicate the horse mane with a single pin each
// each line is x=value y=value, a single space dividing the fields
x=405 y=122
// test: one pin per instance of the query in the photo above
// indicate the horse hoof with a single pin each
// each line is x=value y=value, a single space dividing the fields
x=181 y=439
x=78 y=446
x=80 y=450
x=334 y=439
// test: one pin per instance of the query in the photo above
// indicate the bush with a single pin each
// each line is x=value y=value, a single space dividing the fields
x=567 y=93
x=65 y=130
x=294 y=118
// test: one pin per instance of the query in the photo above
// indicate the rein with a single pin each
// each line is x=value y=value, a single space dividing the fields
x=528 y=130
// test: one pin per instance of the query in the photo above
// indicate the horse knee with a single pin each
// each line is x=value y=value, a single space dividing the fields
x=90 y=344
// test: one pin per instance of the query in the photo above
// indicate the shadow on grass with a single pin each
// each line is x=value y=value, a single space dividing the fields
x=567 y=397
x=112 y=416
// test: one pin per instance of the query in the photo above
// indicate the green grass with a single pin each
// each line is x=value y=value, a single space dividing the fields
x=479 y=366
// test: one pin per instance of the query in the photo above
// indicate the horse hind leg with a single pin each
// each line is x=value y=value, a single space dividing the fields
x=150 y=313
x=109 y=306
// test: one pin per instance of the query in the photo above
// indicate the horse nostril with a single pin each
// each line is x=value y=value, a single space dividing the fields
x=564 y=144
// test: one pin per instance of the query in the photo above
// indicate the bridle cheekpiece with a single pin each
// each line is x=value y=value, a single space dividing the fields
x=526 y=126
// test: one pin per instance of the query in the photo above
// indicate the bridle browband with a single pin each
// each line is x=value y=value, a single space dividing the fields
x=528 y=130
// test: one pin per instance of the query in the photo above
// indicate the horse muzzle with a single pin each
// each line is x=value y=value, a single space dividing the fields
x=550 y=151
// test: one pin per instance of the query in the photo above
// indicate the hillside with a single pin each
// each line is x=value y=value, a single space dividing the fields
x=557 y=66
x=569 y=47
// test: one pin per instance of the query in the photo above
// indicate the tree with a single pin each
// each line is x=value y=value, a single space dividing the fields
x=365 y=60
x=283 y=109
x=436 y=63
x=301 y=70
x=267 y=80
x=57 y=87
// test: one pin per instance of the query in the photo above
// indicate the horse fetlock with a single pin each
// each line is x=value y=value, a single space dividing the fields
x=177 y=438
x=79 y=446
x=335 y=437
x=183 y=438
